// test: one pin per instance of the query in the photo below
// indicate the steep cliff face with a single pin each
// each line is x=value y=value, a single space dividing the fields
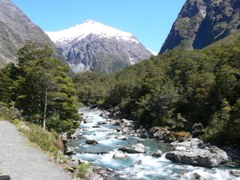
x=15 y=29
x=93 y=46
x=203 y=22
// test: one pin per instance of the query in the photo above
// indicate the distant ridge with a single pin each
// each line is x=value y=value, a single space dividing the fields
x=15 y=29
x=203 y=22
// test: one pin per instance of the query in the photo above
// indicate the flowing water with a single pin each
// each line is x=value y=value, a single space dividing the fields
x=149 y=167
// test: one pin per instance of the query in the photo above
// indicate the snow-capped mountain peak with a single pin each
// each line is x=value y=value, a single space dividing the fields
x=93 y=46
x=81 y=31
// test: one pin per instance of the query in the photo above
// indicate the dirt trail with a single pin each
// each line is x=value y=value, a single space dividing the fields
x=22 y=162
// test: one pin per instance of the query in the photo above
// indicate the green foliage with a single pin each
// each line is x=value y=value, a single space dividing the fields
x=176 y=90
x=84 y=170
x=41 y=88
x=6 y=81
x=47 y=141
x=92 y=87
x=9 y=112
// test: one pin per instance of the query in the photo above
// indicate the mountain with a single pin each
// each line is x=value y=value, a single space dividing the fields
x=15 y=29
x=96 y=47
x=203 y=22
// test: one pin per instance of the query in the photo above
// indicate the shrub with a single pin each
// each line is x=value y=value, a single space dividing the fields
x=9 y=112
x=84 y=170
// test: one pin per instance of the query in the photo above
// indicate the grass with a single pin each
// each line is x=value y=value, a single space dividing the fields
x=84 y=170
x=49 y=142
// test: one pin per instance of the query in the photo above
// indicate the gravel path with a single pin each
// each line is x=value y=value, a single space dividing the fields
x=23 y=162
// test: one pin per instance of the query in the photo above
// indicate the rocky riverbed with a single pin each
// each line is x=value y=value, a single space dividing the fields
x=118 y=151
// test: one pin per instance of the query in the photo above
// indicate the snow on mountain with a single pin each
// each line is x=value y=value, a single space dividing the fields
x=81 y=31
x=93 y=46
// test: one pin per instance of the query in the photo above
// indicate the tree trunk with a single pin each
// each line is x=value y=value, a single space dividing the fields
x=45 y=109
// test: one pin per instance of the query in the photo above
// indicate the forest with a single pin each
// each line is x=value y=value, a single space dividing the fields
x=174 y=90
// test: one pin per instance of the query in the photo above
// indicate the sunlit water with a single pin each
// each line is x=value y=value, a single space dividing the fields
x=150 y=167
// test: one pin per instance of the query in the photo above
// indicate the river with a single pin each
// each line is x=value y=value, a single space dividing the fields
x=136 y=166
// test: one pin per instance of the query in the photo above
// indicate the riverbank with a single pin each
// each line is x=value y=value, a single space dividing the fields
x=162 y=134
x=21 y=161
x=114 y=145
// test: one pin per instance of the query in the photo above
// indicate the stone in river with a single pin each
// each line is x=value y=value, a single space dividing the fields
x=138 y=162
x=96 y=126
x=91 y=141
x=196 y=176
x=198 y=154
x=120 y=155
x=69 y=151
x=235 y=173
x=157 y=154
x=137 y=148
x=122 y=138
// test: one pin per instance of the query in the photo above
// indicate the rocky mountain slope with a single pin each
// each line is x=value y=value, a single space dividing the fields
x=97 y=47
x=15 y=29
x=202 y=22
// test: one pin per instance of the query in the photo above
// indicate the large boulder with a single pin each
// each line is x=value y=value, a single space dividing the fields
x=137 y=148
x=195 y=153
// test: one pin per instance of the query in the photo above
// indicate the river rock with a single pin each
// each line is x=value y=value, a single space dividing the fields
x=181 y=136
x=87 y=121
x=91 y=142
x=127 y=123
x=76 y=134
x=157 y=154
x=197 y=154
x=197 y=129
x=144 y=134
x=69 y=151
x=191 y=143
x=117 y=123
x=122 y=138
x=137 y=148
x=102 y=123
x=138 y=162
x=119 y=155
x=180 y=148
x=235 y=173
x=96 y=126
x=110 y=170
x=157 y=132
x=118 y=129
x=168 y=138
x=126 y=130
x=197 y=176
x=104 y=114
x=127 y=150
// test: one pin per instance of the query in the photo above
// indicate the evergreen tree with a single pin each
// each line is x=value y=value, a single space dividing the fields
x=43 y=89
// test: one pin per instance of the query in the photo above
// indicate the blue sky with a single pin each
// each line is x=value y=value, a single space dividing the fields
x=149 y=20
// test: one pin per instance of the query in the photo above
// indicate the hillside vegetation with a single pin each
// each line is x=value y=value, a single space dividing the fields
x=176 y=90
x=40 y=87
